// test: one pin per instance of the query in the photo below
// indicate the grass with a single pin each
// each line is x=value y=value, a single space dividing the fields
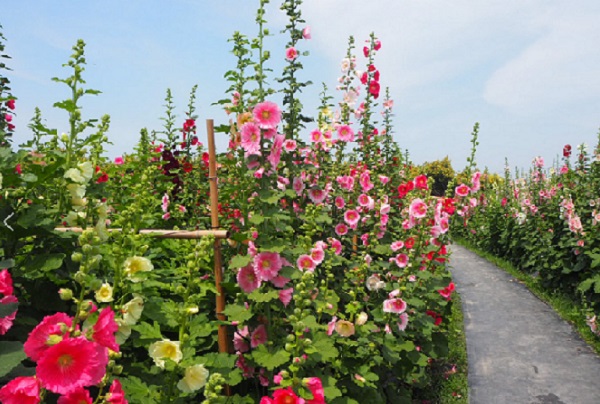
x=568 y=309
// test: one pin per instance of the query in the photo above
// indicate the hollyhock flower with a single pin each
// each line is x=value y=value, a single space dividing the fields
x=290 y=145
x=10 y=104
x=306 y=32
x=267 y=265
x=279 y=281
x=317 y=254
x=78 y=396
x=21 y=390
x=71 y=364
x=165 y=349
x=285 y=296
x=365 y=200
x=341 y=229
x=240 y=342
x=194 y=379
x=331 y=325
x=105 y=328
x=374 y=283
x=258 y=336
x=394 y=305
x=462 y=190
x=418 y=208
x=248 y=279
x=6 y=322
x=306 y=263
x=374 y=89
x=267 y=115
x=401 y=260
x=437 y=319
x=317 y=195
x=362 y=318
x=403 y=322
x=336 y=245
x=316 y=388
x=365 y=182
x=48 y=331
x=421 y=182
x=132 y=310
x=6 y=283
x=135 y=265
x=351 y=217
x=103 y=178
x=115 y=394
x=250 y=134
x=345 y=133
x=104 y=294
x=291 y=53
x=298 y=185
x=366 y=51
x=567 y=151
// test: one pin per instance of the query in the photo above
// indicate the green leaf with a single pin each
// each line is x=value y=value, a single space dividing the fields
x=257 y=219
x=148 y=331
x=270 y=360
x=236 y=312
x=45 y=262
x=7 y=309
x=325 y=350
x=67 y=105
x=260 y=297
x=137 y=391
x=11 y=355
x=29 y=177
x=240 y=261
x=9 y=263
x=220 y=360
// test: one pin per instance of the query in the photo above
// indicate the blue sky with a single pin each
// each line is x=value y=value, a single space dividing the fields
x=527 y=70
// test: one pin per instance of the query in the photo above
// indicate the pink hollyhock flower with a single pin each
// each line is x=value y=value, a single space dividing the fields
x=116 y=395
x=71 y=364
x=291 y=53
x=306 y=263
x=462 y=190
x=421 y=182
x=269 y=133
x=418 y=208
x=250 y=133
x=78 y=396
x=365 y=182
x=351 y=217
x=341 y=229
x=331 y=325
x=336 y=245
x=401 y=260
x=403 y=321
x=6 y=284
x=118 y=160
x=280 y=281
x=306 y=32
x=278 y=378
x=275 y=155
x=447 y=291
x=316 y=136
x=317 y=254
x=7 y=321
x=396 y=245
x=21 y=390
x=316 y=388
x=240 y=340
x=285 y=296
x=339 y=202
x=11 y=105
x=259 y=336
x=248 y=279
x=366 y=51
x=394 y=305
x=290 y=145
x=267 y=115
x=105 y=328
x=377 y=45
x=267 y=265
x=317 y=195
x=298 y=185
x=345 y=133
x=38 y=340
x=384 y=179
x=18 y=169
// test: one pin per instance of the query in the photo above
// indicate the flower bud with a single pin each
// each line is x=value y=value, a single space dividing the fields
x=65 y=294
x=76 y=257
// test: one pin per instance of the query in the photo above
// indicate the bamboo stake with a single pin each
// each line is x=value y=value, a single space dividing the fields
x=214 y=216
x=162 y=233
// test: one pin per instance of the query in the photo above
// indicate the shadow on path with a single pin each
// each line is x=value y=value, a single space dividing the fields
x=519 y=349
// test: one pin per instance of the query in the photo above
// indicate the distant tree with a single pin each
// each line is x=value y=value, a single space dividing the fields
x=440 y=171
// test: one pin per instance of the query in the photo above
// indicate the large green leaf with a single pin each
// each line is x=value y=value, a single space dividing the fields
x=240 y=261
x=11 y=355
x=7 y=309
x=270 y=360
x=236 y=312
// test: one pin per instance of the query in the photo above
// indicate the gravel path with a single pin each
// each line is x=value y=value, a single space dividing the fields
x=519 y=350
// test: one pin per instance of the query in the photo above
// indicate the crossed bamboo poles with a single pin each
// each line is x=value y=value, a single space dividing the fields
x=219 y=234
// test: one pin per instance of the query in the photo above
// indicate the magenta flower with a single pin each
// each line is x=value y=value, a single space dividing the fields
x=394 y=305
x=306 y=263
x=291 y=53
x=118 y=160
x=105 y=329
x=7 y=322
x=401 y=260
x=78 y=396
x=345 y=133
x=71 y=364
x=6 y=284
x=339 y=202
x=38 y=340
x=259 y=336
x=285 y=296
x=21 y=390
x=116 y=395
x=267 y=115
x=248 y=279
x=462 y=190
x=267 y=265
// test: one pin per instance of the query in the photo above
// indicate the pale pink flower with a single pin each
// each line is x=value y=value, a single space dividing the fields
x=259 y=336
x=418 y=208
x=365 y=182
x=165 y=203
x=270 y=133
x=240 y=340
x=275 y=155
x=331 y=325
x=341 y=229
x=351 y=217
x=291 y=53
x=394 y=305
x=248 y=279
x=403 y=322
x=298 y=185
x=290 y=145
x=317 y=254
x=317 y=195
x=285 y=296
x=306 y=263
x=384 y=179
x=396 y=245
x=306 y=32
x=365 y=201
x=267 y=265
x=71 y=364
x=6 y=322
x=345 y=133
x=250 y=138
x=279 y=281
x=346 y=182
x=339 y=202
x=267 y=115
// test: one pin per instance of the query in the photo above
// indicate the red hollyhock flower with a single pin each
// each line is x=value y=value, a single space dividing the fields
x=188 y=167
x=364 y=78
x=37 y=341
x=567 y=151
x=116 y=395
x=374 y=89
x=10 y=104
x=409 y=243
x=421 y=182
x=102 y=178
x=21 y=390
x=366 y=51
x=377 y=45
x=105 y=329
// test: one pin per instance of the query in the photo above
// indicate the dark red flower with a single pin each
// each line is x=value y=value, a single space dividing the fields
x=409 y=243
x=374 y=89
x=102 y=178
x=10 y=104
x=567 y=151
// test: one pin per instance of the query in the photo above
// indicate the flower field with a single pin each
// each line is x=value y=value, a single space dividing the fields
x=317 y=274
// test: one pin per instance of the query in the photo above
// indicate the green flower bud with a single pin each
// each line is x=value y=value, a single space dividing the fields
x=76 y=257
x=65 y=294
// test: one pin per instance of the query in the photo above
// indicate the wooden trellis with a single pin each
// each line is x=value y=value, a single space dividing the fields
x=219 y=234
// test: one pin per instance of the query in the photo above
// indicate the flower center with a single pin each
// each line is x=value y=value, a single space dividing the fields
x=65 y=360
x=265 y=114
